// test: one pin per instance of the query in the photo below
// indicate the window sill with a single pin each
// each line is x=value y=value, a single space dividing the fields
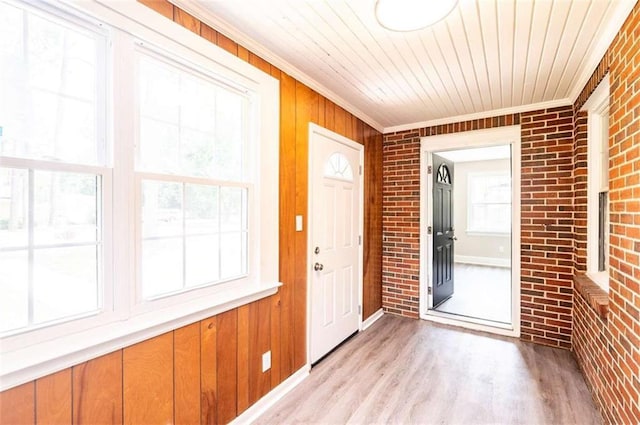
x=24 y=365
x=593 y=294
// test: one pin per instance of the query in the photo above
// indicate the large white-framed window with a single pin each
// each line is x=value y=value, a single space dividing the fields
x=193 y=176
x=138 y=181
x=597 y=107
x=55 y=174
x=489 y=203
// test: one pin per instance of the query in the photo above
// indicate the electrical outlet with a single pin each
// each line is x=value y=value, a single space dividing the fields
x=266 y=361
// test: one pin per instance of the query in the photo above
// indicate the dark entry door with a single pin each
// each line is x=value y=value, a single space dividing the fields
x=443 y=234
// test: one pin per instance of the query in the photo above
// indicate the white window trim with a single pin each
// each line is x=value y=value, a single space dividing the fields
x=481 y=232
x=120 y=327
x=596 y=106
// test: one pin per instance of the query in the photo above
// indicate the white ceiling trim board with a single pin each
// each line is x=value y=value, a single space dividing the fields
x=193 y=8
x=599 y=50
x=479 y=115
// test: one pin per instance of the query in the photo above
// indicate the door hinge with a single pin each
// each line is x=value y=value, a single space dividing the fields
x=360 y=167
x=359 y=309
x=429 y=290
x=359 y=239
x=429 y=230
x=429 y=169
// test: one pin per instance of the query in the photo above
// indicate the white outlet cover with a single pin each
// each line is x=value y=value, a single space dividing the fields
x=266 y=361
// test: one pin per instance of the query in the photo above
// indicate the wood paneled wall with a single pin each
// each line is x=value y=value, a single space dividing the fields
x=211 y=371
x=207 y=372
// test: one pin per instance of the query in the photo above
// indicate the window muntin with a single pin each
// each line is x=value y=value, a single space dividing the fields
x=53 y=104
x=338 y=167
x=52 y=147
x=193 y=235
x=443 y=175
x=194 y=232
x=51 y=250
x=489 y=203
x=190 y=124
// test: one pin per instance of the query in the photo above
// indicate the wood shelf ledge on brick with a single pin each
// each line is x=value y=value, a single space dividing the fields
x=593 y=294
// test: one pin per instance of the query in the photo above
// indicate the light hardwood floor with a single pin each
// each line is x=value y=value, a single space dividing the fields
x=404 y=371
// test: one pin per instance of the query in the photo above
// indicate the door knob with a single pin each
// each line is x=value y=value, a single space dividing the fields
x=317 y=267
x=453 y=238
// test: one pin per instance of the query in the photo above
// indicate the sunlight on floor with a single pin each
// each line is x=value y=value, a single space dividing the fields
x=480 y=292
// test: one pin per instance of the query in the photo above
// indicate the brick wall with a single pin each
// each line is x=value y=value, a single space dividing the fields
x=546 y=226
x=546 y=203
x=607 y=347
x=401 y=223
x=401 y=211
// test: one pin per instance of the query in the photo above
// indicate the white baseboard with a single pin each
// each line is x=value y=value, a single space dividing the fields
x=273 y=396
x=372 y=319
x=483 y=261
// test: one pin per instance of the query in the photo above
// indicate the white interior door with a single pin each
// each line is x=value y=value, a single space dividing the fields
x=335 y=259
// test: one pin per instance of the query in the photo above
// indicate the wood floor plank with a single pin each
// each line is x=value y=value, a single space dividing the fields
x=410 y=371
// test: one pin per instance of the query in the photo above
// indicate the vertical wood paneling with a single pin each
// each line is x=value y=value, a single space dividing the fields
x=227 y=357
x=275 y=340
x=259 y=63
x=321 y=111
x=329 y=115
x=372 y=246
x=189 y=22
x=186 y=369
x=208 y=371
x=354 y=128
x=259 y=343
x=208 y=33
x=97 y=390
x=313 y=108
x=304 y=99
x=340 y=118
x=242 y=53
x=163 y=7
x=287 y=213
x=17 y=405
x=348 y=126
x=227 y=44
x=53 y=398
x=148 y=381
x=243 y=358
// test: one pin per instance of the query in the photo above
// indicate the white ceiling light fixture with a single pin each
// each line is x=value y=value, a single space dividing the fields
x=411 y=15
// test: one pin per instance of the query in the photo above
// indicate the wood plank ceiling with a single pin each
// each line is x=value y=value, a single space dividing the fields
x=485 y=57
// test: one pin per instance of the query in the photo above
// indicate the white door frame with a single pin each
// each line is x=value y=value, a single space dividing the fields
x=469 y=139
x=359 y=173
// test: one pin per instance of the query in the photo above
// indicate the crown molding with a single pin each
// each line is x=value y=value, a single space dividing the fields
x=600 y=49
x=196 y=9
x=478 y=115
x=624 y=8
